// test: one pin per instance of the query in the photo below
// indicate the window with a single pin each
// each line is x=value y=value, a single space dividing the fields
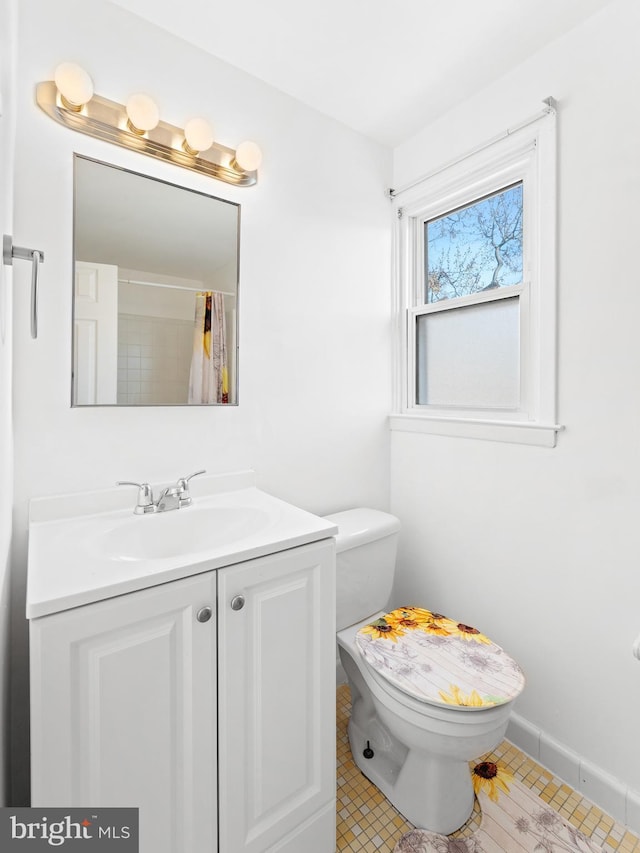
x=475 y=248
x=475 y=278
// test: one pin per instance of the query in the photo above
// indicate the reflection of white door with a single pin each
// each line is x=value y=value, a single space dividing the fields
x=95 y=351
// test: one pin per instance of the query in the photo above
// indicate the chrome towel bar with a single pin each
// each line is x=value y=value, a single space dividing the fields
x=9 y=252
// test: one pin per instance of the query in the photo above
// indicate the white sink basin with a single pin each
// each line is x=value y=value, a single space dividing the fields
x=86 y=547
x=191 y=530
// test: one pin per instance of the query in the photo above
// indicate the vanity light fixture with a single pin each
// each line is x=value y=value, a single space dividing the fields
x=74 y=84
x=198 y=136
x=69 y=99
x=142 y=114
x=248 y=157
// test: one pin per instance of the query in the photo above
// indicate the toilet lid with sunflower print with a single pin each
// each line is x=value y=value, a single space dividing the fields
x=438 y=660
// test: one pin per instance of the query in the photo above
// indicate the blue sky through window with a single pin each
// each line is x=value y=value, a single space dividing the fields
x=475 y=248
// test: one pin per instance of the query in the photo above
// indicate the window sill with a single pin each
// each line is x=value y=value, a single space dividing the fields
x=514 y=432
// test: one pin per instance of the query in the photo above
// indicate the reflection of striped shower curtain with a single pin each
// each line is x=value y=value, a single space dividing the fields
x=209 y=381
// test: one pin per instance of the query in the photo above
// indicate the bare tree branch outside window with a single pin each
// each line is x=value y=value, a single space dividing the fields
x=475 y=248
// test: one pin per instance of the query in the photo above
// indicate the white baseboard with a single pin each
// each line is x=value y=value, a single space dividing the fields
x=604 y=791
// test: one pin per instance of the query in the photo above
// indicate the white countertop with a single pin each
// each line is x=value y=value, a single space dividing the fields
x=69 y=565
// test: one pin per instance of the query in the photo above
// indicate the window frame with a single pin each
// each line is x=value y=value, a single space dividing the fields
x=526 y=155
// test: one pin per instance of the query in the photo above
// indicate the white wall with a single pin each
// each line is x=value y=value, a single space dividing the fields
x=540 y=548
x=7 y=129
x=314 y=301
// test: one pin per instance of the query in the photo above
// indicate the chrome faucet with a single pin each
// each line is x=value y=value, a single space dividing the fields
x=169 y=499
x=145 y=497
x=173 y=497
x=182 y=487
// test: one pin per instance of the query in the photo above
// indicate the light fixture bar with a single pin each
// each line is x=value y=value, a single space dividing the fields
x=107 y=120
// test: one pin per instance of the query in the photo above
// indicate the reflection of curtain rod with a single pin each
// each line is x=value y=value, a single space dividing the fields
x=172 y=286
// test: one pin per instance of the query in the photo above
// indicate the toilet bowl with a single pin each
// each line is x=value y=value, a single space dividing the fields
x=428 y=694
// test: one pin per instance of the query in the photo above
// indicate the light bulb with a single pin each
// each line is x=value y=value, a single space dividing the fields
x=74 y=84
x=142 y=113
x=198 y=136
x=248 y=156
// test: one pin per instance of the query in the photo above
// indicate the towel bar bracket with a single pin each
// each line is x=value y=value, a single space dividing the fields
x=9 y=252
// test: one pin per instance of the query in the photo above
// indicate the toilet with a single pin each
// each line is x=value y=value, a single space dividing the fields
x=428 y=694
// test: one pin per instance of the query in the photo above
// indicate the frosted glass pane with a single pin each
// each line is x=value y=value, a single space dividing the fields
x=470 y=356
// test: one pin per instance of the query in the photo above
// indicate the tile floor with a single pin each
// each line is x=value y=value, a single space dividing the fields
x=368 y=823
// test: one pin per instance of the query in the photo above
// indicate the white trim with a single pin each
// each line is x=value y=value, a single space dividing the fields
x=472 y=299
x=528 y=155
x=549 y=109
x=513 y=432
x=594 y=783
x=461 y=184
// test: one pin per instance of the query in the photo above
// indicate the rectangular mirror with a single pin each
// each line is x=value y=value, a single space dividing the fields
x=155 y=307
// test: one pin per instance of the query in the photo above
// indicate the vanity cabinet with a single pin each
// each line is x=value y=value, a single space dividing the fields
x=276 y=703
x=123 y=711
x=207 y=702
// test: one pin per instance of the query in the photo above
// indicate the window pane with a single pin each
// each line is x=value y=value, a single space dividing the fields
x=469 y=356
x=478 y=247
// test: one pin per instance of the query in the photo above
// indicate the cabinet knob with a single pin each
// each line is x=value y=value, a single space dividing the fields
x=204 y=614
x=237 y=602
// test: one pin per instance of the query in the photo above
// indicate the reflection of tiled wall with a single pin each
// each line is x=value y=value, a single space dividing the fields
x=154 y=359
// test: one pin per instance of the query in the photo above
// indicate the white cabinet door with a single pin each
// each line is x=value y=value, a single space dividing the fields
x=124 y=711
x=276 y=688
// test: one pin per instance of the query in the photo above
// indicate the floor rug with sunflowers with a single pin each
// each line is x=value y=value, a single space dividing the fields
x=513 y=820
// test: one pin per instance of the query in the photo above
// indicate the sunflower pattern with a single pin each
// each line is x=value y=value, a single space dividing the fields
x=491 y=778
x=457 y=697
x=437 y=659
x=382 y=629
x=514 y=819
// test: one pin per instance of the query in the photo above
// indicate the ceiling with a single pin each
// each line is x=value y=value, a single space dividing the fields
x=139 y=223
x=386 y=68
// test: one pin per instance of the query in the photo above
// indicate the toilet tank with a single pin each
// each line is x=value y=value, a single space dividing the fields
x=366 y=545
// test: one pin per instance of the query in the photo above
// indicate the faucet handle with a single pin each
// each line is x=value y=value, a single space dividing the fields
x=183 y=481
x=145 y=493
x=183 y=488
